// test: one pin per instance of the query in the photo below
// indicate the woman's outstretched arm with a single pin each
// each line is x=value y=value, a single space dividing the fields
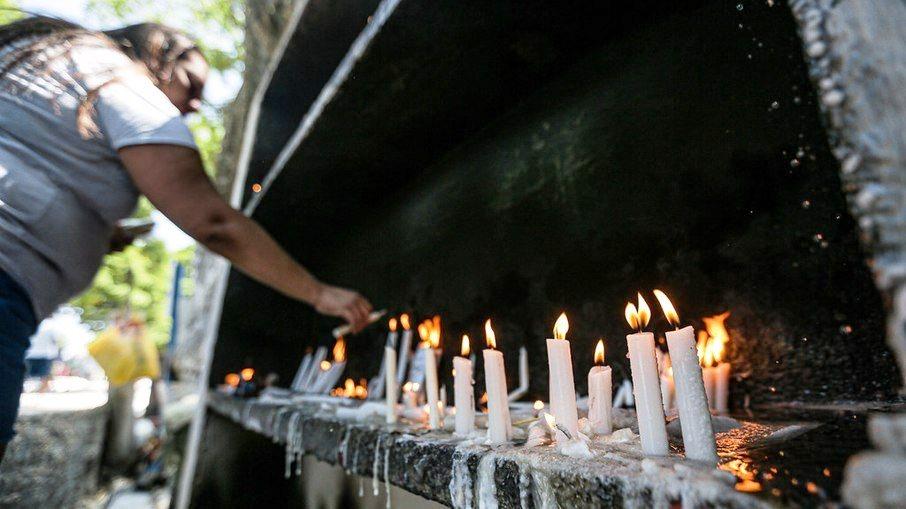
x=172 y=177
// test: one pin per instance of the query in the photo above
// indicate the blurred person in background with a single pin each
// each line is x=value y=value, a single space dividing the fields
x=88 y=121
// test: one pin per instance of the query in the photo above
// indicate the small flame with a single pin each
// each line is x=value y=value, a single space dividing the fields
x=339 y=350
x=561 y=327
x=352 y=390
x=667 y=306
x=392 y=325
x=349 y=386
x=701 y=345
x=717 y=350
x=599 y=353
x=550 y=420
x=434 y=333
x=232 y=380
x=538 y=405
x=325 y=365
x=247 y=374
x=489 y=336
x=465 y=351
x=644 y=312
x=416 y=386
x=483 y=399
x=632 y=316
x=404 y=321
x=716 y=328
x=407 y=387
x=423 y=331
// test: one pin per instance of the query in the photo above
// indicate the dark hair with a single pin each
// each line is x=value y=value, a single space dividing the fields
x=35 y=42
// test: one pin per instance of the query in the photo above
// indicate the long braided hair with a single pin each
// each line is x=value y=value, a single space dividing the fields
x=31 y=45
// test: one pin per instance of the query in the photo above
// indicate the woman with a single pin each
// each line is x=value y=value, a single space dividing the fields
x=89 y=120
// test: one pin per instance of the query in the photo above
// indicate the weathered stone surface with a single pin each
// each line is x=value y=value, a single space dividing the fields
x=54 y=460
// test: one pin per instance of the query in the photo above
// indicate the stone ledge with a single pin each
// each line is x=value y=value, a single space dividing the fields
x=457 y=473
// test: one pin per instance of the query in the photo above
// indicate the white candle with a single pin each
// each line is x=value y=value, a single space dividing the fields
x=405 y=349
x=600 y=394
x=410 y=395
x=645 y=382
x=376 y=384
x=499 y=425
x=708 y=379
x=431 y=387
x=667 y=389
x=390 y=382
x=721 y=387
x=691 y=401
x=463 y=392
x=562 y=386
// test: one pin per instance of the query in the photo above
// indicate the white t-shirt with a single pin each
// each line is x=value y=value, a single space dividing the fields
x=60 y=193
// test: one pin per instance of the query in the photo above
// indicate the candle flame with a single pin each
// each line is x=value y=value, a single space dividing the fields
x=247 y=374
x=407 y=387
x=667 y=307
x=232 y=380
x=465 y=346
x=339 y=350
x=434 y=333
x=404 y=321
x=632 y=316
x=538 y=405
x=484 y=398
x=717 y=350
x=599 y=353
x=644 y=312
x=392 y=325
x=350 y=389
x=416 y=386
x=638 y=317
x=325 y=365
x=701 y=345
x=716 y=328
x=489 y=336
x=423 y=331
x=561 y=327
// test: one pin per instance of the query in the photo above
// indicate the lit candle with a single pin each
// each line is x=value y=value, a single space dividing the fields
x=410 y=395
x=328 y=378
x=600 y=394
x=314 y=370
x=537 y=407
x=435 y=419
x=376 y=385
x=499 y=425
x=562 y=387
x=391 y=383
x=463 y=393
x=666 y=373
x=645 y=381
x=691 y=401
x=721 y=373
x=405 y=348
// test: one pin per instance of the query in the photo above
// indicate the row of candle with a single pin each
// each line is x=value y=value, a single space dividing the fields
x=688 y=381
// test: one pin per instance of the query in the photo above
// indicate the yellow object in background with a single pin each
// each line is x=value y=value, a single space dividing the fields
x=125 y=352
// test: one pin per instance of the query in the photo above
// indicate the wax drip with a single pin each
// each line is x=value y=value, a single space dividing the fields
x=387 y=473
x=461 y=481
x=361 y=486
x=344 y=449
x=375 y=487
x=487 y=487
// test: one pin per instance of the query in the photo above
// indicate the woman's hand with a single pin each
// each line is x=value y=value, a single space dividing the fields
x=343 y=303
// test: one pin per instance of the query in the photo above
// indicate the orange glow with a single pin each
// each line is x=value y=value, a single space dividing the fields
x=423 y=331
x=434 y=333
x=404 y=321
x=256 y=188
x=599 y=353
x=247 y=374
x=339 y=350
x=465 y=351
x=716 y=328
x=392 y=325
x=701 y=345
x=667 y=306
x=351 y=390
x=561 y=327
x=717 y=350
x=489 y=336
x=746 y=478
x=232 y=380
x=483 y=399
x=325 y=365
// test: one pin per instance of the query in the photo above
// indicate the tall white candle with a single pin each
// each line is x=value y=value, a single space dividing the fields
x=463 y=392
x=405 y=349
x=667 y=389
x=691 y=401
x=722 y=387
x=600 y=394
x=391 y=384
x=708 y=379
x=431 y=387
x=645 y=382
x=499 y=424
x=562 y=386
x=376 y=384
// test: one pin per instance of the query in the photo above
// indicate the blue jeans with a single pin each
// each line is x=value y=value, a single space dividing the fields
x=17 y=324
